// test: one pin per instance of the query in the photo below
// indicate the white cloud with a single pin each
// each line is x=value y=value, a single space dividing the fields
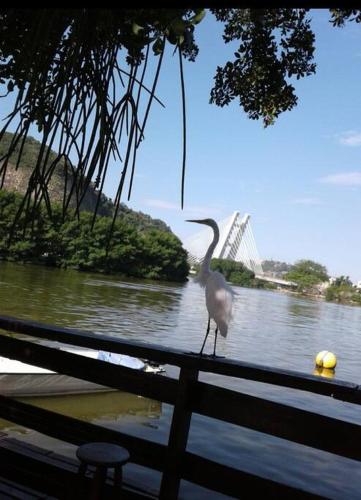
x=306 y=201
x=350 y=138
x=345 y=179
x=189 y=210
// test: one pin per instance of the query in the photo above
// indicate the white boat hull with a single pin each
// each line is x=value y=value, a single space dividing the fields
x=19 y=379
x=46 y=384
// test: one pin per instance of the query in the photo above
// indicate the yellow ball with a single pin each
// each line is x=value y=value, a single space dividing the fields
x=326 y=359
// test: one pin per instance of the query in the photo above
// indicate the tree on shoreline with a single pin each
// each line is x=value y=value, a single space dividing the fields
x=142 y=253
x=307 y=273
x=343 y=291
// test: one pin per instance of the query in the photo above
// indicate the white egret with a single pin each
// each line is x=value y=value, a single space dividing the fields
x=219 y=295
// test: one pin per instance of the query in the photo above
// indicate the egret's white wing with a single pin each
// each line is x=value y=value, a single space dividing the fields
x=219 y=299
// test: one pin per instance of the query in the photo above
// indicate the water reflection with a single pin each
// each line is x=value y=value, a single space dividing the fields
x=103 y=304
x=159 y=298
x=305 y=310
x=324 y=372
x=110 y=406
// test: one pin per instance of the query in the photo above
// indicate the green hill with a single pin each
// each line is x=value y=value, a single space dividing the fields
x=17 y=180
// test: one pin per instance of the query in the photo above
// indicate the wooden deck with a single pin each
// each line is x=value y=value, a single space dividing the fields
x=29 y=472
x=10 y=490
x=56 y=475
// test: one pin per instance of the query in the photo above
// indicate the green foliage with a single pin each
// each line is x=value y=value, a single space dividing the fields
x=343 y=291
x=343 y=281
x=140 y=220
x=163 y=255
x=307 y=273
x=275 y=267
x=30 y=152
x=340 y=16
x=236 y=273
x=275 y=45
x=147 y=253
x=24 y=156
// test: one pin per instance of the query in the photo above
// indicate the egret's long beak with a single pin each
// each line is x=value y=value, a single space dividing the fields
x=199 y=221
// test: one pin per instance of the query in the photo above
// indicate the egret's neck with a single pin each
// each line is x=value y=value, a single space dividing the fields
x=206 y=264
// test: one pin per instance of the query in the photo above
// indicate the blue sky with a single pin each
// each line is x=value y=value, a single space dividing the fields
x=300 y=179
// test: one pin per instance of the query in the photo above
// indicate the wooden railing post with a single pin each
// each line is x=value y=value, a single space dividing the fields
x=178 y=437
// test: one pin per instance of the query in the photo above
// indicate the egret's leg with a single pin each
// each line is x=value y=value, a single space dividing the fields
x=215 y=342
x=207 y=333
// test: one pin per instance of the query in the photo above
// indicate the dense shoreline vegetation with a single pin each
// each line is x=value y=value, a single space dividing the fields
x=312 y=279
x=342 y=291
x=141 y=247
x=136 y=250
x=237 y=274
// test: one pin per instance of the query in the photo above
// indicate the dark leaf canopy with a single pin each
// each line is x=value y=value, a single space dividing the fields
x=84 y=78
x=339 y=17
x=275 y=45
x=79 y=76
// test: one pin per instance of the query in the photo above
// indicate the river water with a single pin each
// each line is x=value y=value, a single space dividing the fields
x=269 y=328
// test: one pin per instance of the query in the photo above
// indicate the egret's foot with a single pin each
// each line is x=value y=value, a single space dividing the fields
x=202 y=354
x=195 y=353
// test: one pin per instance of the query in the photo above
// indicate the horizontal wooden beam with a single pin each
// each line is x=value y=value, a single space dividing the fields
x=90 y=340
x=147 y=384
x=50 y=474
x=277 y=419
x=143 y=452
x=342 y=390
x=237 y=482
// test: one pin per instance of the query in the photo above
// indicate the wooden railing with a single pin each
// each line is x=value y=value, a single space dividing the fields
x=188 y=395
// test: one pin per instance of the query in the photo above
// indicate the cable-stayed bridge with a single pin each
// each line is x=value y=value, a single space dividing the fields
x=236 y=242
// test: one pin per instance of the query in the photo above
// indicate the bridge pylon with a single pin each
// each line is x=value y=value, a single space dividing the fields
x=236 y=242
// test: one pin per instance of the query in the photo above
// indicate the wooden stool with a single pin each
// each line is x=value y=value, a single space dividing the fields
x=102 y=456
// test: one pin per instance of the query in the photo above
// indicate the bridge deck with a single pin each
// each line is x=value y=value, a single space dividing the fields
x=277 y=281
